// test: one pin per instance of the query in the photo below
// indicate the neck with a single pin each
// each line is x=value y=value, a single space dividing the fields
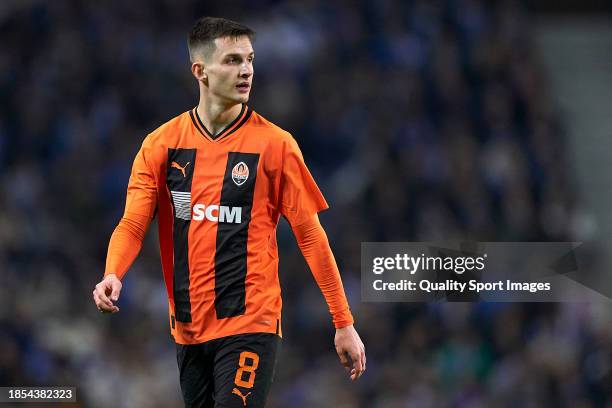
x=215 y=115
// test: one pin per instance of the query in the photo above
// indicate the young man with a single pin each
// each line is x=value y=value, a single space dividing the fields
x=219 y=177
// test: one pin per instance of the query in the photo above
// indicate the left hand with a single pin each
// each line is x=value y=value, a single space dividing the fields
x=106 y=292
x=351 y=351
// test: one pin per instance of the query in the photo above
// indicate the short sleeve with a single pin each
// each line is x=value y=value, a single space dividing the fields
x=300 y=197
x=142 y=188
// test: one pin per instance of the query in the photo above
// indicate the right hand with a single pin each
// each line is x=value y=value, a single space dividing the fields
x=351 y=351
x=106 y=292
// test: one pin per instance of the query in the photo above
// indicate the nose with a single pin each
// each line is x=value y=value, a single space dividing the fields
x=246 y=70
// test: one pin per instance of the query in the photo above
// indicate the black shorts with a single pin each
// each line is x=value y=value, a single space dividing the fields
x=234 y=371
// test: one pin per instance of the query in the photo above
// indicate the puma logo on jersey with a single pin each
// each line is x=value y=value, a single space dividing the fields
x=238 y=393
x=217 y=213
x=175 y=165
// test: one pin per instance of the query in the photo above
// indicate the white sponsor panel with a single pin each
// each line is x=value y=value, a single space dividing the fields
x=201 y=212
x=182 y=204
x=217 y=213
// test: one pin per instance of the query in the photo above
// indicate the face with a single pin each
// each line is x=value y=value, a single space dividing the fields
x=227 y=73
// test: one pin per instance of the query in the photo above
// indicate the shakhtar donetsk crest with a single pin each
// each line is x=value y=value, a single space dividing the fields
x=240 y=173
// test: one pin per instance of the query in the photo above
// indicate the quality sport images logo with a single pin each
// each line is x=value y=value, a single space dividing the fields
x=240 y=173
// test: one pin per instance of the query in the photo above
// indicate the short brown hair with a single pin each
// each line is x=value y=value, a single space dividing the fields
x=207 y=29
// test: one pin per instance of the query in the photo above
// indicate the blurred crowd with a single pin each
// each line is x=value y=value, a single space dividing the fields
x=421 y=120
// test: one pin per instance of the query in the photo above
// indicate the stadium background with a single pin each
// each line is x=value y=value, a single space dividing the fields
x=421 y=120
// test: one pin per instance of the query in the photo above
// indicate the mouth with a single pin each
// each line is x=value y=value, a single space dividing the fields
x=243 y=87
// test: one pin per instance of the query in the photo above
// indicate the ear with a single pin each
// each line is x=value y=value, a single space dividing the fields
x=199 y=71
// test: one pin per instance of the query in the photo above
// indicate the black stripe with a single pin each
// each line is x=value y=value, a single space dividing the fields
x=242 y=122
x=231 y=254
x=176 y=181
x=214 y=137
x=193 y=119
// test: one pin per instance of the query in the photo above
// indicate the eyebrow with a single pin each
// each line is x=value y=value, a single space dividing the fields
x=234 y=54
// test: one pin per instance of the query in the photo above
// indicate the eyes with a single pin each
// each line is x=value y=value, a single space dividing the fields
x=232 y=59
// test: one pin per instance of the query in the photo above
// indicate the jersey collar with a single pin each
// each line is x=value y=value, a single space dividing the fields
x=243 y=116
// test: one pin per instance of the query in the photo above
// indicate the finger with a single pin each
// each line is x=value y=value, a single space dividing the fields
x=96 y=299
x=363 y=359
x=99 y=304
x=103 y=307
x=101 y=292
x=106 y=309
x=105 y=301
x=363 y=367
x=114 y=309
x=102 y=300
x=343 y=358
x=356 y=358
x=116 y=290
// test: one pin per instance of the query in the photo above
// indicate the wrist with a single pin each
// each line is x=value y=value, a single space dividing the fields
x=343 y=321
x=344 y=327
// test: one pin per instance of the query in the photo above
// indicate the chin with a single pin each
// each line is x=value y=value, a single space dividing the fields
x=239 y=98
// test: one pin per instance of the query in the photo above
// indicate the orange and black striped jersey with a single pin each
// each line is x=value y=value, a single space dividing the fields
x=218 y=203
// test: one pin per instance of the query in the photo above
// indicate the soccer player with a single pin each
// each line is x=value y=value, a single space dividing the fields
x=218 y=177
